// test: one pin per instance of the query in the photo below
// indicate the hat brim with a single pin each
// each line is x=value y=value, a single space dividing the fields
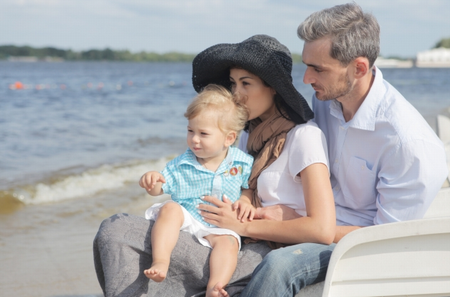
x=213 y=66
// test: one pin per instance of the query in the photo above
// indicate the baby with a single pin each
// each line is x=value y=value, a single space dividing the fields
x=210 y=166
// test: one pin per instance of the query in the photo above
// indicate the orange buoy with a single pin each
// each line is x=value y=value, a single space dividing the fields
x=18 y=85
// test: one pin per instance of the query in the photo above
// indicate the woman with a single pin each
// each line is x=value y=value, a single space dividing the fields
x=290 y=169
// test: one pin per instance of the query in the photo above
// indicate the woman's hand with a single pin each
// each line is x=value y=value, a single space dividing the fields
x=221 y=215
x=277 y=212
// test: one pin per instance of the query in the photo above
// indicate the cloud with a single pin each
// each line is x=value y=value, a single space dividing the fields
x=407 y=26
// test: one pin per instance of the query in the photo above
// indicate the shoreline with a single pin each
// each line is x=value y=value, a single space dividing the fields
x=46 y=250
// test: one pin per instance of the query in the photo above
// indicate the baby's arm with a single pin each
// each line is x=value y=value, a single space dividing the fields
x=152 y=183
x=244 y=206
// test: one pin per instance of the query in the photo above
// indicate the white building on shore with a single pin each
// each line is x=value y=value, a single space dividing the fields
x=381 y=62
x=437 y=57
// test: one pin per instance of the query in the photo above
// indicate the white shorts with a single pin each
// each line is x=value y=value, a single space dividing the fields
x=191 y=225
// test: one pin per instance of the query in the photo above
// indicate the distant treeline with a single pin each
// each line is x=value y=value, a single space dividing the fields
x=107 y=54
x=11 y=51
x=445 y=42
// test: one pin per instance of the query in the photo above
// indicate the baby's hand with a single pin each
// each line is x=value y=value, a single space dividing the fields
x=245 y=210
x=149 y=180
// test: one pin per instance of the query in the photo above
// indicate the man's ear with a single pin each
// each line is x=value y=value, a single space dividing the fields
x=361 y=67
x=230 y=138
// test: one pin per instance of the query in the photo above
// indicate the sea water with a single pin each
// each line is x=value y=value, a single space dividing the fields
x=83 y=127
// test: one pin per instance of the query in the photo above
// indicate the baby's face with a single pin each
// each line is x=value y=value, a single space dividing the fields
x=204 y=137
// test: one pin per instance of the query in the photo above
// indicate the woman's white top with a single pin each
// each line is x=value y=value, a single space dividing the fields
x=279 y=183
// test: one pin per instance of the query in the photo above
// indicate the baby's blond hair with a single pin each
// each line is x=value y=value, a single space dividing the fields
x=231 y=113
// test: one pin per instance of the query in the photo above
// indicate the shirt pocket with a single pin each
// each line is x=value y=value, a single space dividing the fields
x=359 y=185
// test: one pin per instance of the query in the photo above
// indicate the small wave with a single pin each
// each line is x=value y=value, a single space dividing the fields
x=87 y=183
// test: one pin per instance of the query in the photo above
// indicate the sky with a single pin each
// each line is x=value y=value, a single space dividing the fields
x=189 y=26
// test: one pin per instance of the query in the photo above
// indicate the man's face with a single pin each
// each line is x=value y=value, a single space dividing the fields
x=326 y=75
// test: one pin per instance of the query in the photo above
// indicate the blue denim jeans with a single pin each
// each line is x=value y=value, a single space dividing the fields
x=285 y=271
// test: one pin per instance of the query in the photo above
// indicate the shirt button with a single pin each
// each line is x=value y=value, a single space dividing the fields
x=336 y=161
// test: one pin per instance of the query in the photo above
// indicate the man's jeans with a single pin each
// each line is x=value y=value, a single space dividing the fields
x=285 y=271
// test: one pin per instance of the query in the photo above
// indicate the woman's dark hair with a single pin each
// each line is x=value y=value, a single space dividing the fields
x=283 y=108
x=286 y=111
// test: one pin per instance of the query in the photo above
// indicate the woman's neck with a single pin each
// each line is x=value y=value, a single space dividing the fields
x=268 y=113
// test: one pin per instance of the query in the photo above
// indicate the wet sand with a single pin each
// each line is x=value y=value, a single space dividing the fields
x=46 y=250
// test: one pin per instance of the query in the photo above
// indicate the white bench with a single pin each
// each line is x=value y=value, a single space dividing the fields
x=410 y=258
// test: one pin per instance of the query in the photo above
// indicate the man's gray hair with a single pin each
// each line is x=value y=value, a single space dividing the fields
x=353 y=33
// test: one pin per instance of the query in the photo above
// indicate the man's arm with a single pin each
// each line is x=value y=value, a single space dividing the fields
x=409 y=181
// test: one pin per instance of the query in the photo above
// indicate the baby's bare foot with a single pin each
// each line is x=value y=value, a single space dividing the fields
x=217 y=291
x=157 y=272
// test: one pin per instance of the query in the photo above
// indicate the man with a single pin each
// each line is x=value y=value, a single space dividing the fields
x=386 y=163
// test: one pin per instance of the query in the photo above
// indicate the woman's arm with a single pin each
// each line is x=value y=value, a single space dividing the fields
x=277 y=212
x=318 y=226
x=341 y=231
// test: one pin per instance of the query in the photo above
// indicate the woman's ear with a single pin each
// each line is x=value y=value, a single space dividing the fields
x=230 y=138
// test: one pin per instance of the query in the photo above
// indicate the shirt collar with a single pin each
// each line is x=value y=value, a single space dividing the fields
x=365 y=117
x=191 y=159
x=188 y=158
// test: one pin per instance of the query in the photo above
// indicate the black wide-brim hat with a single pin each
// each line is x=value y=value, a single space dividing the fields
x=261 y=55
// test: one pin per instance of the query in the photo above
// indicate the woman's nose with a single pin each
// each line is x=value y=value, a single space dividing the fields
x=235 y=90
x=240 y=94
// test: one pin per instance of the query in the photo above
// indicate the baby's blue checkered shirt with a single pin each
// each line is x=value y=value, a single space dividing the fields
x=187 y=180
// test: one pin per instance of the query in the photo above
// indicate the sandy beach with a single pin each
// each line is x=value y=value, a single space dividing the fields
x=54 y=258
x=46 y=250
